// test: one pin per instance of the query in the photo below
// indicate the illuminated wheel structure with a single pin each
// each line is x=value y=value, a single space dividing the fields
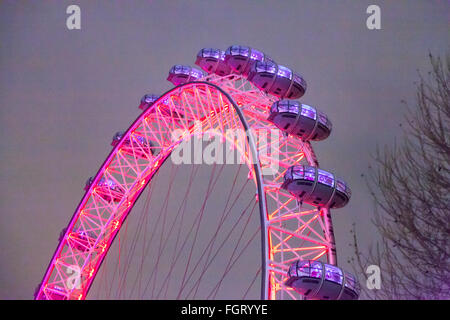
x=244 y=91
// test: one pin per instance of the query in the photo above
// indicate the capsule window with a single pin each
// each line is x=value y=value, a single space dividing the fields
x=298 y=172
x=284 y=72
x=326 y=178
x=308 y=111
x=310 y=174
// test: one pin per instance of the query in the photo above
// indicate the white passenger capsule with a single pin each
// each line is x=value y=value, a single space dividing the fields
x=213 y=61
x=277 y=80
x=147 y=100
x=319 y=281
x=180 y=74
x=300 y=120
x=241 y=58
x=316 y=187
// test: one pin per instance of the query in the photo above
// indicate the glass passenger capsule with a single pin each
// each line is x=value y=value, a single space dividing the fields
x=147 y=100
x=88 y=183
x=213 y=61
x=138 y=147
x=300 y=120
x=277 y=80
x=241 y=58
x=109 y=190
x=168 y=108
x=180 y=74
x=81 y=240
x=55 y=292
x=320 y=281
x=316 y=187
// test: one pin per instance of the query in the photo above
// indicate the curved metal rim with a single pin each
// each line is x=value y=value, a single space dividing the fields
x=258 y=175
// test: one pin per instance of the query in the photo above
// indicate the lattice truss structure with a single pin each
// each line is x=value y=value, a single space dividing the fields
x=291 y=231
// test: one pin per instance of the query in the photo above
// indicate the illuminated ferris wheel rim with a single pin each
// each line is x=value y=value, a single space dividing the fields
x=255 y=164
x=268 y=264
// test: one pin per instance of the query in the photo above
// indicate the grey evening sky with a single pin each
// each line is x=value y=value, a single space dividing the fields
x=64 y=93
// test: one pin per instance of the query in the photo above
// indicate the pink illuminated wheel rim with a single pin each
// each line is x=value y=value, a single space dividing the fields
x=289 y=230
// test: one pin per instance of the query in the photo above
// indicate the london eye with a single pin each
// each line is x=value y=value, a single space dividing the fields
x=239 y=90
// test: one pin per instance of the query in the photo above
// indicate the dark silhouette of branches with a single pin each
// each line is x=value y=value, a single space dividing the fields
x=411 y=191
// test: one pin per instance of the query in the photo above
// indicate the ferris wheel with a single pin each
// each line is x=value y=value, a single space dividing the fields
x=240 y=90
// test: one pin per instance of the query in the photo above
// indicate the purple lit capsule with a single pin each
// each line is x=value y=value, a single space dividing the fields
x=81 y=240
x=309 y=112
x=241 y=58
x=213 y=61
x=319 y=281
x=180 y=74
x=325 y=178
x=135 y=145
x=315 y=187
x=277 y=80
x=147 y=100
x=299 y=120
x=298 y=87
x=109 y=190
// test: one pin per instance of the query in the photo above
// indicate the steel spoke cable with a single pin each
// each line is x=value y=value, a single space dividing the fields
x=230 y=232
x=237 y=243
x=145 y=244
x=234 y=226
x=223 y=217
x=208 y=192
x=164 y=213
x=207 y=261
x=218 y=227
x=183 y=243
x=182 y=207
x=242 y=251
x=236 y=246
x=133 y=246
x=251 y=283
x=152 y=231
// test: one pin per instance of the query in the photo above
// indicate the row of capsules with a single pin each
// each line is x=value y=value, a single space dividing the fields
x=309 y=184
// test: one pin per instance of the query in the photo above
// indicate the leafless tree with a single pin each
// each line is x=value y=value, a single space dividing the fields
x=410 y=185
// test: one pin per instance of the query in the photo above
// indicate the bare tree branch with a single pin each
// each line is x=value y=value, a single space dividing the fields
x=411 y=191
